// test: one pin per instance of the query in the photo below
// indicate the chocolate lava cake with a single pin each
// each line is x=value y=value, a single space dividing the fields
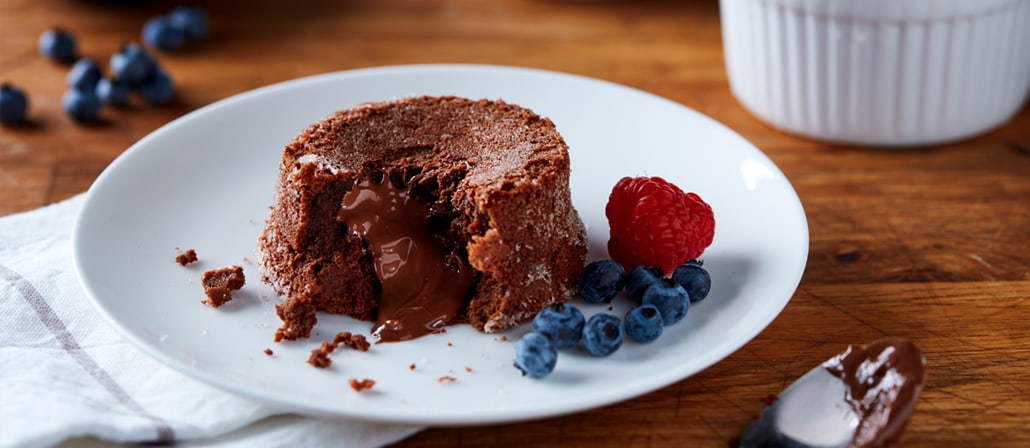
x=422 y=212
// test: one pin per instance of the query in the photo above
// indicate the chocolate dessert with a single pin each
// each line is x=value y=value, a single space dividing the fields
x=422 y=212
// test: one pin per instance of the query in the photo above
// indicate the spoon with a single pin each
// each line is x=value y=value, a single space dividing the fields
x=862 y=397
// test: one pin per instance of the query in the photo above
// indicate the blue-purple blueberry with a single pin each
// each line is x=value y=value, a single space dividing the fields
x=81 y=105
x=14 y=105
x=58 y=45
x=535 y=356
x=562 y=324
x=158 y=89
x=191 y=21
x=641 y=278
x=695 y=279
x=602 y=334
x=670 y=298
x=601 y=280
x=158 y=32
x=84 y=74
x=132 y=65
x=644 y=323
x=113 y=92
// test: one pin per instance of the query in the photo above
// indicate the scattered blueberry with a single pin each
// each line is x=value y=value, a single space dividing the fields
x=191 y=21
x=158 y=32
x=58 y=45
x=132 y=65
x=644 y=323
x=82 y=105
x=641 y=278
x=113 y=92
x=535 y=356
x=158 y=89
x=84 y=74
x=670 y=298
x=14 y=105
x=561 y=324
x=695 y=279
x=602 y=334
x=601 y=280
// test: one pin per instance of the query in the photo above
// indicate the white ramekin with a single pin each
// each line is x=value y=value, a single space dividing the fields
x=879 y=72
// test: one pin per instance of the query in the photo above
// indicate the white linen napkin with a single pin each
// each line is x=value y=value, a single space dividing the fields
x=66 y=376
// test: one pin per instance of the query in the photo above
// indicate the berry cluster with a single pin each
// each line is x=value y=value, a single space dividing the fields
x=564 y=326
x=661 y=302
x=131 y=69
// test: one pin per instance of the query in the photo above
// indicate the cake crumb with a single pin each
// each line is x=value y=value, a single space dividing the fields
x=360 y=385
x=450 y=344
x=320 y=356
x=220 y=283
x=185 y=258
x=246 y=260
x=269 y=352
x=468 y=369
x=355 y=341
x=446 y=379
x=412 y=366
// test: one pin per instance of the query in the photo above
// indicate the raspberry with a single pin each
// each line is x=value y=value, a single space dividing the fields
x=653 y=222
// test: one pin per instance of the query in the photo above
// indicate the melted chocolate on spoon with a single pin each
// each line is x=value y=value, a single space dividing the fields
x=862 y=397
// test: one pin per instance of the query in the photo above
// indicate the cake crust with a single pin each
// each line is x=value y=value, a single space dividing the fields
x=494 y=177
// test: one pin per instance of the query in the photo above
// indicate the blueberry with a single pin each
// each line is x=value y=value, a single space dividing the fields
x=82 y=105
x=602 y=334
x=132 y=65
x=670 y=298
x=14 y=105
x=561 y=324
x=113 y=92
x=84 y=74
x=644 y=323
x=58 y=45
x=641 y=278
x=535 y=356
x=601 y=280
x=191 y=21
x=695 y=279
x=158 y=89
x=158 y=32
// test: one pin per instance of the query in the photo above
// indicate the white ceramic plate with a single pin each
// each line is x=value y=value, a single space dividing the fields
x=205 y=181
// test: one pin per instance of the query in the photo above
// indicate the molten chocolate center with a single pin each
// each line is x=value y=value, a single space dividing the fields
x=421 y=291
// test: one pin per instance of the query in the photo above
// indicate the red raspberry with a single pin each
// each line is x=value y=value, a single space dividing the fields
x=654 y=223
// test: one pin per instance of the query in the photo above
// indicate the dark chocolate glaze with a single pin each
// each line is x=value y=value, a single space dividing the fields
x=884 y=380
x=422 y=291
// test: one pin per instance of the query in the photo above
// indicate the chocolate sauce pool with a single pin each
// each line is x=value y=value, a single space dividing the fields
x=421 y=293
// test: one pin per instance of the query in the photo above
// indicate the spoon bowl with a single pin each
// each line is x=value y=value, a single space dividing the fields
x=862 y=397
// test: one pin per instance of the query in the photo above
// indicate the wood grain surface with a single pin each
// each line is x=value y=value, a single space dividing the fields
x=932 y=244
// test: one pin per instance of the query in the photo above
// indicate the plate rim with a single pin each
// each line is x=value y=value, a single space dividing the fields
x=656 y=381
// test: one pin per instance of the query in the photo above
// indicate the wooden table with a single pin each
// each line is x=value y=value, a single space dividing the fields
x=931 y=244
